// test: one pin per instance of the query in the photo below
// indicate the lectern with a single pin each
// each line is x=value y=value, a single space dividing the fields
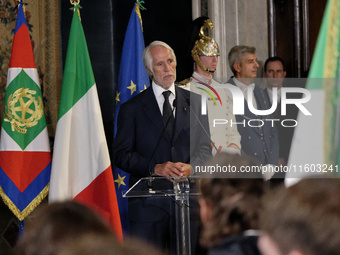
x=180 y=192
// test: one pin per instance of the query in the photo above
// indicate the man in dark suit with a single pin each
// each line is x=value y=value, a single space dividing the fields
x=274 y=74
x=259 y=139
x=142 y=149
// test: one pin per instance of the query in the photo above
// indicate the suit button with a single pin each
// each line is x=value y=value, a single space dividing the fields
x=249 y=137
x=255 y=153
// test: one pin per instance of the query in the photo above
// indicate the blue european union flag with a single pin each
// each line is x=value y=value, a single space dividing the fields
x=132 y=79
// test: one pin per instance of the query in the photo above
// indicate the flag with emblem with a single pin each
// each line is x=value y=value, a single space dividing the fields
x=81 y=168
x=132 y=79
x=315 y=145
x=25 y=158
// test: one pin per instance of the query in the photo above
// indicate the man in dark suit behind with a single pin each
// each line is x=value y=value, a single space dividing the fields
x=259 y=138
x=274 y=74
x=183 y=144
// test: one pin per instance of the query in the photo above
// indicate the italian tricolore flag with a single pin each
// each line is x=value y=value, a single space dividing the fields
x=81 y=167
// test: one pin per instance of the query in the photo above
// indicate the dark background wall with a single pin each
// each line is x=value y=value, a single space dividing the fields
x=105 y=23
x=297 y=57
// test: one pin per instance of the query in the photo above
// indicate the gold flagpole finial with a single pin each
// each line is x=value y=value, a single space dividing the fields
x=74 y=2
x=76 y=5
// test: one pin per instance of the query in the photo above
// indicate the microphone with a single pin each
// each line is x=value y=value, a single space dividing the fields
x=174 y=104
x=200 y=123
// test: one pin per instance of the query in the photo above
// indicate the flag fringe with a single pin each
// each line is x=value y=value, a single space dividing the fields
x=21 y=215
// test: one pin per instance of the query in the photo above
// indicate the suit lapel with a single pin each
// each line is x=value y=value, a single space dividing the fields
x=247 y=113
x=262 y=103
x=151 y=109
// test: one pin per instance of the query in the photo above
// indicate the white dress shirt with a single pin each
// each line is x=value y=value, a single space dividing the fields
x=158 y=92
x=270 y=94
x=244 y=88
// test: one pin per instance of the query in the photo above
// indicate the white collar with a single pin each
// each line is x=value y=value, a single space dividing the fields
x=242 y=86
x=202 y=78
x=270 y=94
x=158 y=90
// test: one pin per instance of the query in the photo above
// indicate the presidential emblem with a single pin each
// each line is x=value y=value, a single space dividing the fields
x=23 y=109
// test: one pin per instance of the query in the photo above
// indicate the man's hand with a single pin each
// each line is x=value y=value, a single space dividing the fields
x=187 y=169
x=170 y=169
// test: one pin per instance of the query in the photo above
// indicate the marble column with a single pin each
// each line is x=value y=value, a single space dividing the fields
x=196 y=8
x=238 y=22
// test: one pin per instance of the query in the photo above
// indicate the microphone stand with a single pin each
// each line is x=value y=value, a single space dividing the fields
x=174 y=104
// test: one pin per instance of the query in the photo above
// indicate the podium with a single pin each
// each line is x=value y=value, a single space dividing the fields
x=180 y=192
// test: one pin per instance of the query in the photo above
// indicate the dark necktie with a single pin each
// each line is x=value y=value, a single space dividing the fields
x=167 y=113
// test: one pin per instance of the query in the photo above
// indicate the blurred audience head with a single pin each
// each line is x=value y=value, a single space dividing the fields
x=229 y=205
x=303 y=219
x=63 y=226
x=97 y=245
